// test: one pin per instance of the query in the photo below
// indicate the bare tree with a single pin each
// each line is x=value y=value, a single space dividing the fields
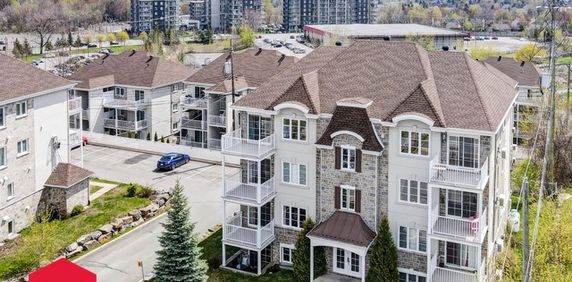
x=252 y=18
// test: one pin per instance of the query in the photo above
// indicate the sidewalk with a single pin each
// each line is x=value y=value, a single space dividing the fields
x=105 y=188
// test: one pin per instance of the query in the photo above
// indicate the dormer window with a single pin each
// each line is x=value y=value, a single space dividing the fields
x=294 y=129
x=414 y=143
x=348 y=158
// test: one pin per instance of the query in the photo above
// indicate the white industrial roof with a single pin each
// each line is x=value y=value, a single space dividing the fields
x=373 y=30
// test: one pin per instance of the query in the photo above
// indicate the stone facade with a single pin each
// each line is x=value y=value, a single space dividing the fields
x=285 y=236
x=64 y=200
x=409 y=260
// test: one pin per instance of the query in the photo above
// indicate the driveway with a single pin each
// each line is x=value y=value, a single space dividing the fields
x=117 y=261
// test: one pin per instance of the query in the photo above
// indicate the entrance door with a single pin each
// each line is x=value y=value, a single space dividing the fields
x=346 y=262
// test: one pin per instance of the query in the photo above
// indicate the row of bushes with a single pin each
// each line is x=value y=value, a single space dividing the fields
x=136 y=190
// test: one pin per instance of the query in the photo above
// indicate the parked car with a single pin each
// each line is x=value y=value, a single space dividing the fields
x=299 y=51
x=113 y=43
x=495 y=38
x=37 y=62
x=172 y=160
x=289 y=46
x=2 y=42
x=91 y=45
x=267 y=41
x=300 y=39
x=291 y=36
x=277 y=45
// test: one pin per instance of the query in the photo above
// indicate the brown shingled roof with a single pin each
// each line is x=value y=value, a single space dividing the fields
x=255 y=65
x=344 y=227
x=526 y=75
x=355 y=120
x=20 y=79
x=134 y=68
x=66 y=175
x=448 y=87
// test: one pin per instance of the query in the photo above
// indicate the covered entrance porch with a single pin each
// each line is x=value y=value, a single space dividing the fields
x=349 y=238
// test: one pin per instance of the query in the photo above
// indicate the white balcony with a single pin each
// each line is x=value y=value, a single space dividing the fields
x=469 y=229
x=74 y=105
x=214 y=144
x=188 y=141
x=194 y=103
x=193 y=123
x=235 y=143
x=235 y=232
x=235 y=189
x=534 y=100
x=132 y=105
x=457 y=176
x=449 y=274
x=85 y=114
x=219 y=121
x=125 y=124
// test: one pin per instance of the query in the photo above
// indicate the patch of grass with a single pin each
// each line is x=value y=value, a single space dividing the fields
x=101 y=180
x=94 y=188
x=114 y=49
x=216 y=46
x=212 y=249
x=564 y=60
x=42 y=241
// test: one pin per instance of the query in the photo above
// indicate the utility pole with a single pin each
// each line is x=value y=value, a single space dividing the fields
x=568 y=96
x=232 y=73
x=525 y=243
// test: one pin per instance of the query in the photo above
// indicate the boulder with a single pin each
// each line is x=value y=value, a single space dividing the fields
x=160 y=202
x=104 y=237
x=135 y=214
x=152 y=208
x=118 y=223
x=74 y=252
x=138 y=222
x=72 y=247
x=90 y=244
x=127 y=219
x=83 y=239
x=95 y=234
x=164 y=196
x=149 y=215
x=108 y=228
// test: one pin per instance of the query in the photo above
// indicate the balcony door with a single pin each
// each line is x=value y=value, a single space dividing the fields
x=461 y=256
x=346 y=262
x=251 y=173
x=259 y=127
x=463 y=151
x=461 y=204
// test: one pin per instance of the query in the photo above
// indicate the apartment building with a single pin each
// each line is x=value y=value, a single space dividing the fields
x=531 y=80
x=197 y=12
x=298 y=13
x=34 y=139
x=349 y=135
x=148 y=15
x=205 y=109
x=133 y=93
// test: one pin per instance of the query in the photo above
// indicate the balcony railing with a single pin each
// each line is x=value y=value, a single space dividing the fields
x=235 y=143
x=75 y=138
x=444 y=274
x=235 y=189
x=74 y=105
x=124 y=103
x=214 y=144
x=217 y=120
x=125 y=124
x=198 y=103
x=470 y=229
x=84 y=114
x=187 y=141
x=193 y=123
x=234 y=231
x=532 y=100
x=459 y=176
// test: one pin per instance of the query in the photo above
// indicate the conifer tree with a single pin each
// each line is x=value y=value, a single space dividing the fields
x=383 y=260
x=301 y=256
x=179 y=256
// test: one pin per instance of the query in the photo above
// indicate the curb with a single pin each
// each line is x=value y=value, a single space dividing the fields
x=97 y=144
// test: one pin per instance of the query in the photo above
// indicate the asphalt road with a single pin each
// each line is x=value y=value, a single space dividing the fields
x=117 y=260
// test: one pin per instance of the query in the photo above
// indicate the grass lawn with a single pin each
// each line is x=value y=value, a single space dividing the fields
x=217 y=46
x=94 y=188
x=212 y=248
x=101 y=180
x=114 y=49
x=41 y=241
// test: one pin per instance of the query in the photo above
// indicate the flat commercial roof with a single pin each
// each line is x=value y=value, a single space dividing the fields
x=377 y=30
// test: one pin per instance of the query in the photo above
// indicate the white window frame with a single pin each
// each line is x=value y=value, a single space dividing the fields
x=24 y=108
x=11 y=223
x=409 y=272
x=291 y=249
x=3 y=116
x=295 y=174
x=347 y=166
x=419 y=133
x=300 y=222
x=287 y=128
x=5 y=157
x=175 y=126
x=139 y=94
x=27 y=151
x=409 y=194
x=351 y=194
x=478 y=138
x=175 y=107
x=253 y=216
x=10 y=191
x=119 y=92
x=409 y=239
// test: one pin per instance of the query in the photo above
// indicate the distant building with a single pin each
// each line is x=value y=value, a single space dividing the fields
x=298 y=13
x=198 y=12
x=147 y=15
x=222 y=15
x=320 y=34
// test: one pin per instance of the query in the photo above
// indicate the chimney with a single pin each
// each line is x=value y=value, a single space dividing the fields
x=338 y=43
x=387 y=38
x=445 y=48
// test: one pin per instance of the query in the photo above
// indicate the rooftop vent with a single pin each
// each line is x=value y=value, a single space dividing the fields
x=281 y=58
x=387 y=38
x=522 y=64
x=258 y=52
x=499 y=58
x=445 y=48
x=150 y=59
x=338 y=43
x=132 y=53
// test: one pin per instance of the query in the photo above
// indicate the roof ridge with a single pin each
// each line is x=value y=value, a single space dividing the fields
x=473 y=80
x=308 y=91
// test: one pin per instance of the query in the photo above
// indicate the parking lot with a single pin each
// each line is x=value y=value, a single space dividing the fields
x=286 y=38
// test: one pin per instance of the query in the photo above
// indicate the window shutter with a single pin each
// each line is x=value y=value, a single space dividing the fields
x=337 y=197
x=358 y=201
x=358 y=160
x=338 y=157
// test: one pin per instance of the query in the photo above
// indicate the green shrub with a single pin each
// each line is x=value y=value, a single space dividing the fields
x=77 y=209
x=156 y=137
x=131 y=190
x=145 y=192
x=162 y=139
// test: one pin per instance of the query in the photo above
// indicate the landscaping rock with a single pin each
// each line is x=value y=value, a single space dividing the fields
x=160 y=202
x=108 y=228
x=74 y=252
x=135 y=214
x=138 y=222
x=72 y=247
x=95 y=234
x=104 y=237
x=152 y=208
x=83 y=239
x=164 y=196
x=127 y=219
x=90 y=244
x=118 y=223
